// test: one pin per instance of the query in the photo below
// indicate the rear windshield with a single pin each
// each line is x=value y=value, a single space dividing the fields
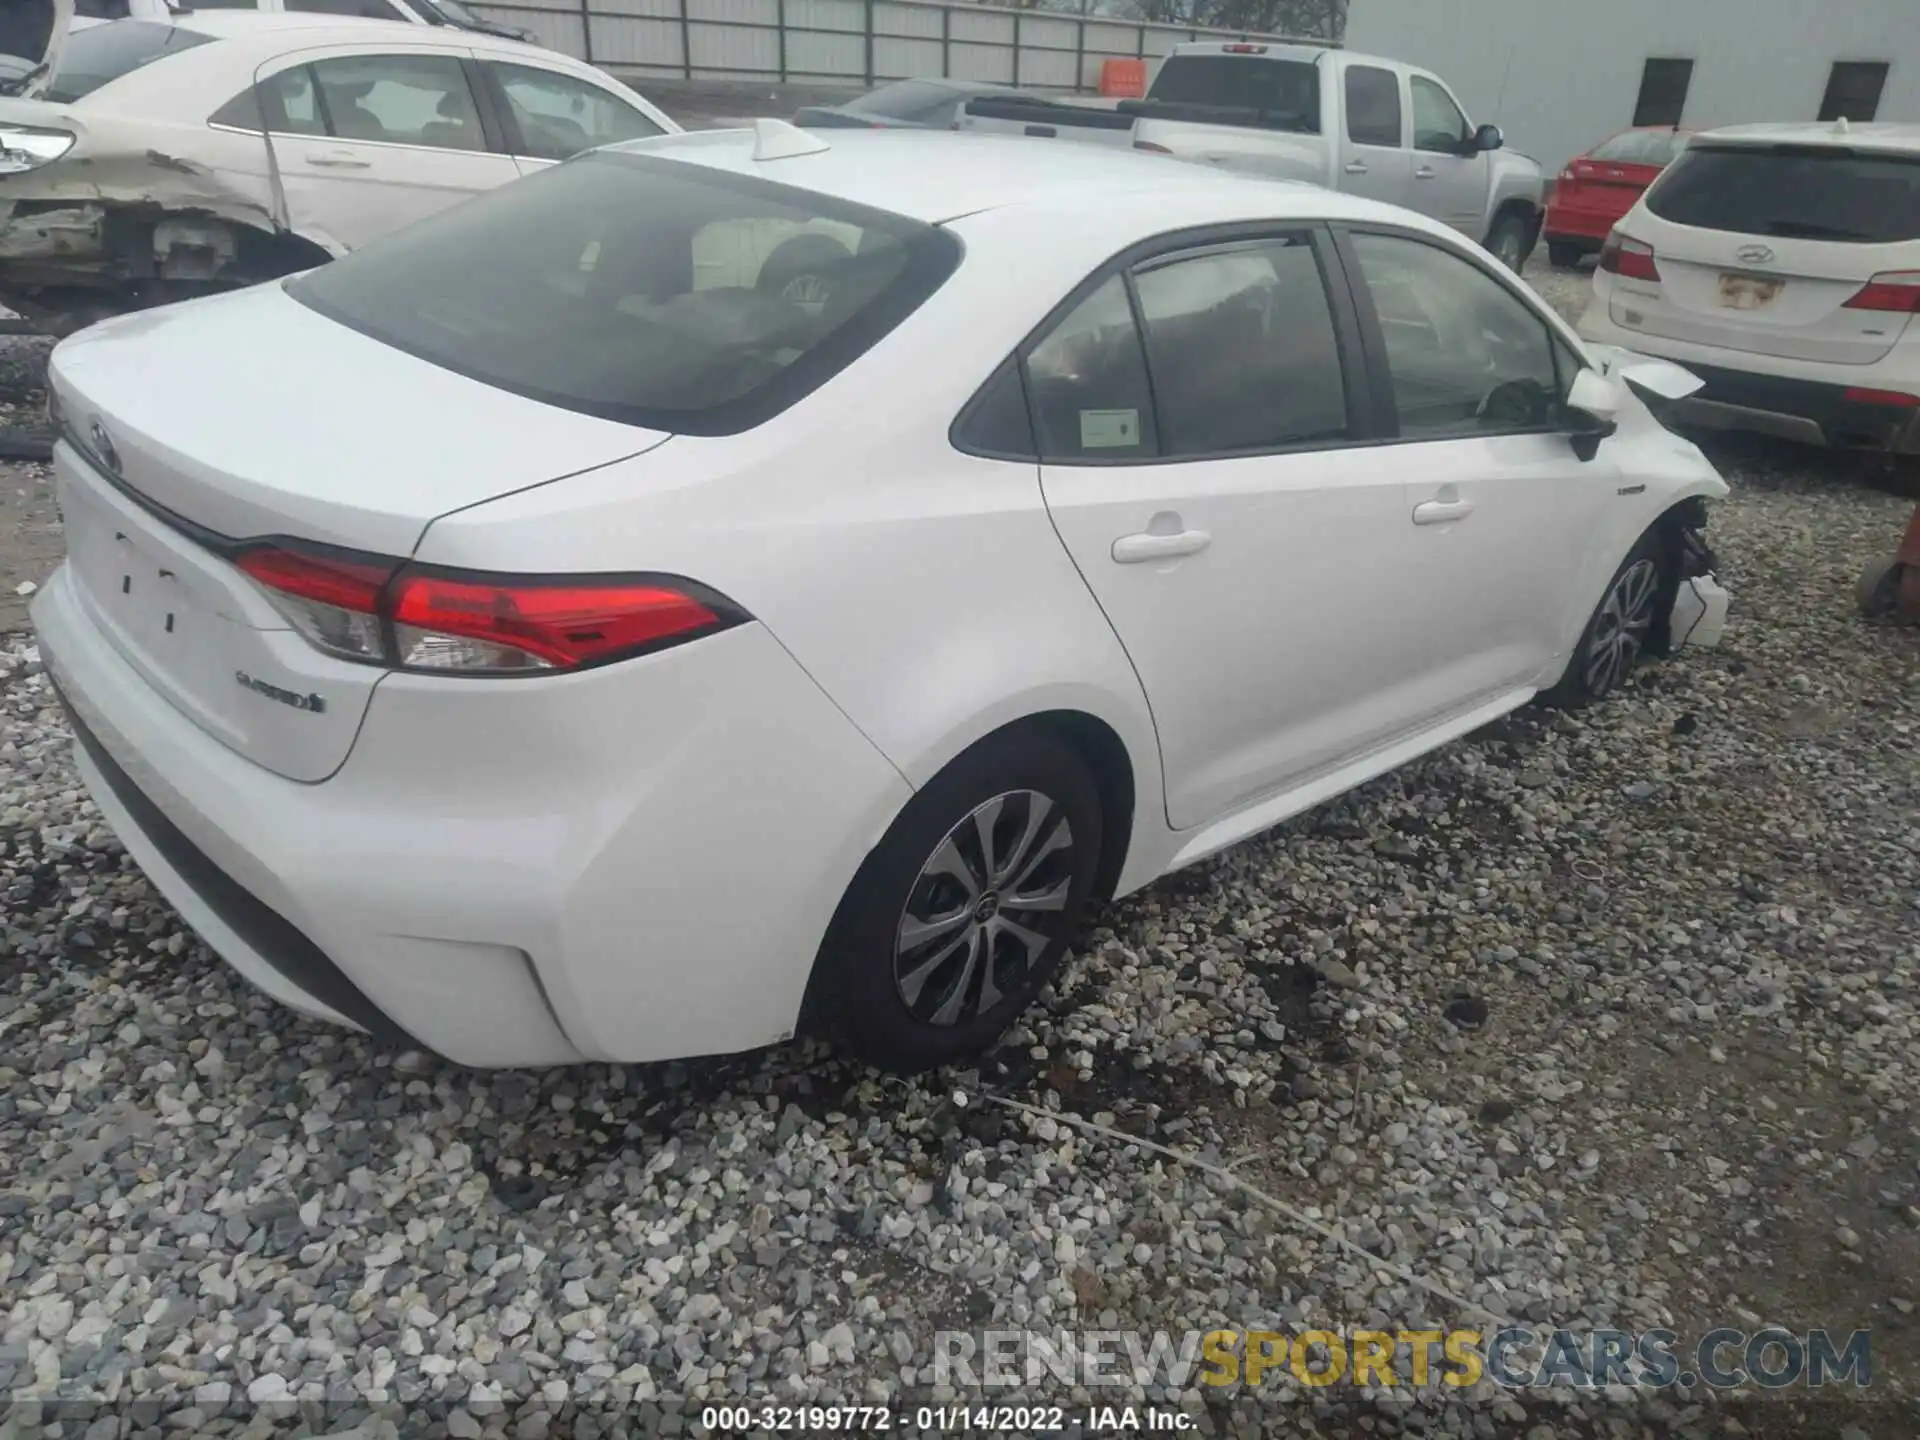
x=101 y=54
x=1823 y=193
x=1285 y=93
x=643 y=290
x=1640 y=147
x=908 y=100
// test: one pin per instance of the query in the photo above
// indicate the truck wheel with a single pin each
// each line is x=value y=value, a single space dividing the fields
x=1507 y=241
x=1564 y=255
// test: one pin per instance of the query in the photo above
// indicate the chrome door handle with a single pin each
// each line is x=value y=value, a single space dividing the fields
x=1439 y=512
x=340 y=160
x=1356 y=167
x=1425 y=172
x=1136 y=549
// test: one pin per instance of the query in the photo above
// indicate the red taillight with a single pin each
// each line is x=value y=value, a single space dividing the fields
x=384 y=612
x=1151 y=148
x=1629 y=258
x=1860 y=395
x=445 y=622
x=1894 y=290
x=1244 y=49
x=332 y=599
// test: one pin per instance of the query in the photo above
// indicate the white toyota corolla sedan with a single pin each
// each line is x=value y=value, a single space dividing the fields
x=748 y=577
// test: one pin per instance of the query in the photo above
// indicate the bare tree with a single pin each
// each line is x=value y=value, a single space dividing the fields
x=1308 y=19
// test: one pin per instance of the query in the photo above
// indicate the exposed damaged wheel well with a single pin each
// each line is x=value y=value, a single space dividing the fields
x=65 y=264
x=1683 y=555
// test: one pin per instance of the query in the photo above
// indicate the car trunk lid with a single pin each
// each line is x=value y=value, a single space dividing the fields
x=270 y=420
x=1762 y=249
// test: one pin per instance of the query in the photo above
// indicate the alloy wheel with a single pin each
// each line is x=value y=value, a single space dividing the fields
x=1620 y=629
x=980 y=914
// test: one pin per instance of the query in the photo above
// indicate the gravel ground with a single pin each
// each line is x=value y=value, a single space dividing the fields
x=1596 y=1020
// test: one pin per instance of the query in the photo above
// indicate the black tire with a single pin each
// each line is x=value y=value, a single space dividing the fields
x=867 y=978
x=1562 y=255
x=1508 y=241
x=1623 y=624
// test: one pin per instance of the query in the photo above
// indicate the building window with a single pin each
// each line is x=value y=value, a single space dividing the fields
x=1663 y=92
x=1853 y=89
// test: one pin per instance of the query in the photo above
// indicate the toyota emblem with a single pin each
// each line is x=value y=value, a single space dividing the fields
x=1755 y=254
x=103 y=446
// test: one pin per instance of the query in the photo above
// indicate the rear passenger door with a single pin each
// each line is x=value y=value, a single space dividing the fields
x=1374 y=159
x=1197 y=411
x=369 y=142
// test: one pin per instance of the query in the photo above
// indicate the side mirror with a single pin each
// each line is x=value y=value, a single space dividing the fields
x=1593 y=402
x=1488 y=137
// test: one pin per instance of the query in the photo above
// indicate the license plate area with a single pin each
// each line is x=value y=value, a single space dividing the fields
x=1748 y=292
x=139 y=586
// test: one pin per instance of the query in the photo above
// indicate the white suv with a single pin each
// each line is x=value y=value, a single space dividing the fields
x=1780 y=264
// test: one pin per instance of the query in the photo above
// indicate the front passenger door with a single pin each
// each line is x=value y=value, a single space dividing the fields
x=369 y=143
x=1503 y=527
x=1196 y=417
x=1450 y=181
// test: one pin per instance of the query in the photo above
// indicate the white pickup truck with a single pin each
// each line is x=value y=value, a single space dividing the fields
x=1350 y=122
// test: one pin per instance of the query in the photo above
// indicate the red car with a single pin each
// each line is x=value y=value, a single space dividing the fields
x=1599 y=187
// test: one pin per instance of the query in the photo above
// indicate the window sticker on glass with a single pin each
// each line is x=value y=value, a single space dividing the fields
x=1109 y=429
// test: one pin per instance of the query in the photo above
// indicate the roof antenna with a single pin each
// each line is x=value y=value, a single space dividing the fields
x=1840 y=125
x=778 y=140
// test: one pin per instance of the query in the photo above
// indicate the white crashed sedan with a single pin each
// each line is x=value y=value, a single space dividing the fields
x=774 y=578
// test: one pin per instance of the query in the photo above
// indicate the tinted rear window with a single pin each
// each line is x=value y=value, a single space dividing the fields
x=101 y=54
x=640 y=289
x=1286 y=93
x=1810 y=193
x=1640 y=147
x=909 y=100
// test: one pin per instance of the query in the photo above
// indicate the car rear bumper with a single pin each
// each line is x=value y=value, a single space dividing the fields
x=1812 y=411
x=635 y=863
x=1566 y=226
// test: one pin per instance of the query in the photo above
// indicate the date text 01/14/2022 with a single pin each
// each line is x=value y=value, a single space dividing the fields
x=940 y=1419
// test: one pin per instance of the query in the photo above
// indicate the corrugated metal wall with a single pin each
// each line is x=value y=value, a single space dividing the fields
x=847 y=41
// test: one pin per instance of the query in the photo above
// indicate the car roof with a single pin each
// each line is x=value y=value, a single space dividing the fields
x=234 y=24
x=1883 y=135
x=940 y=175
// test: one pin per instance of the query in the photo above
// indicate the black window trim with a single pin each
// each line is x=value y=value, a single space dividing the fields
x=491 y=129
x=1169 y=248
x=512 y=139
x=1374 y=344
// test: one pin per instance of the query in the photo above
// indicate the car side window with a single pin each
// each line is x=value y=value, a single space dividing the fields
x=1088 y=382
x=1467 y=356
x=362 y=9
x=560 y=115
x=401 y=99
x=1241 y=348
x=1373 y=106
x=1438 y=124
x=290 y=101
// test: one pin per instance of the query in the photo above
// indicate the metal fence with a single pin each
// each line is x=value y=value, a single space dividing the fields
x=850 y=42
